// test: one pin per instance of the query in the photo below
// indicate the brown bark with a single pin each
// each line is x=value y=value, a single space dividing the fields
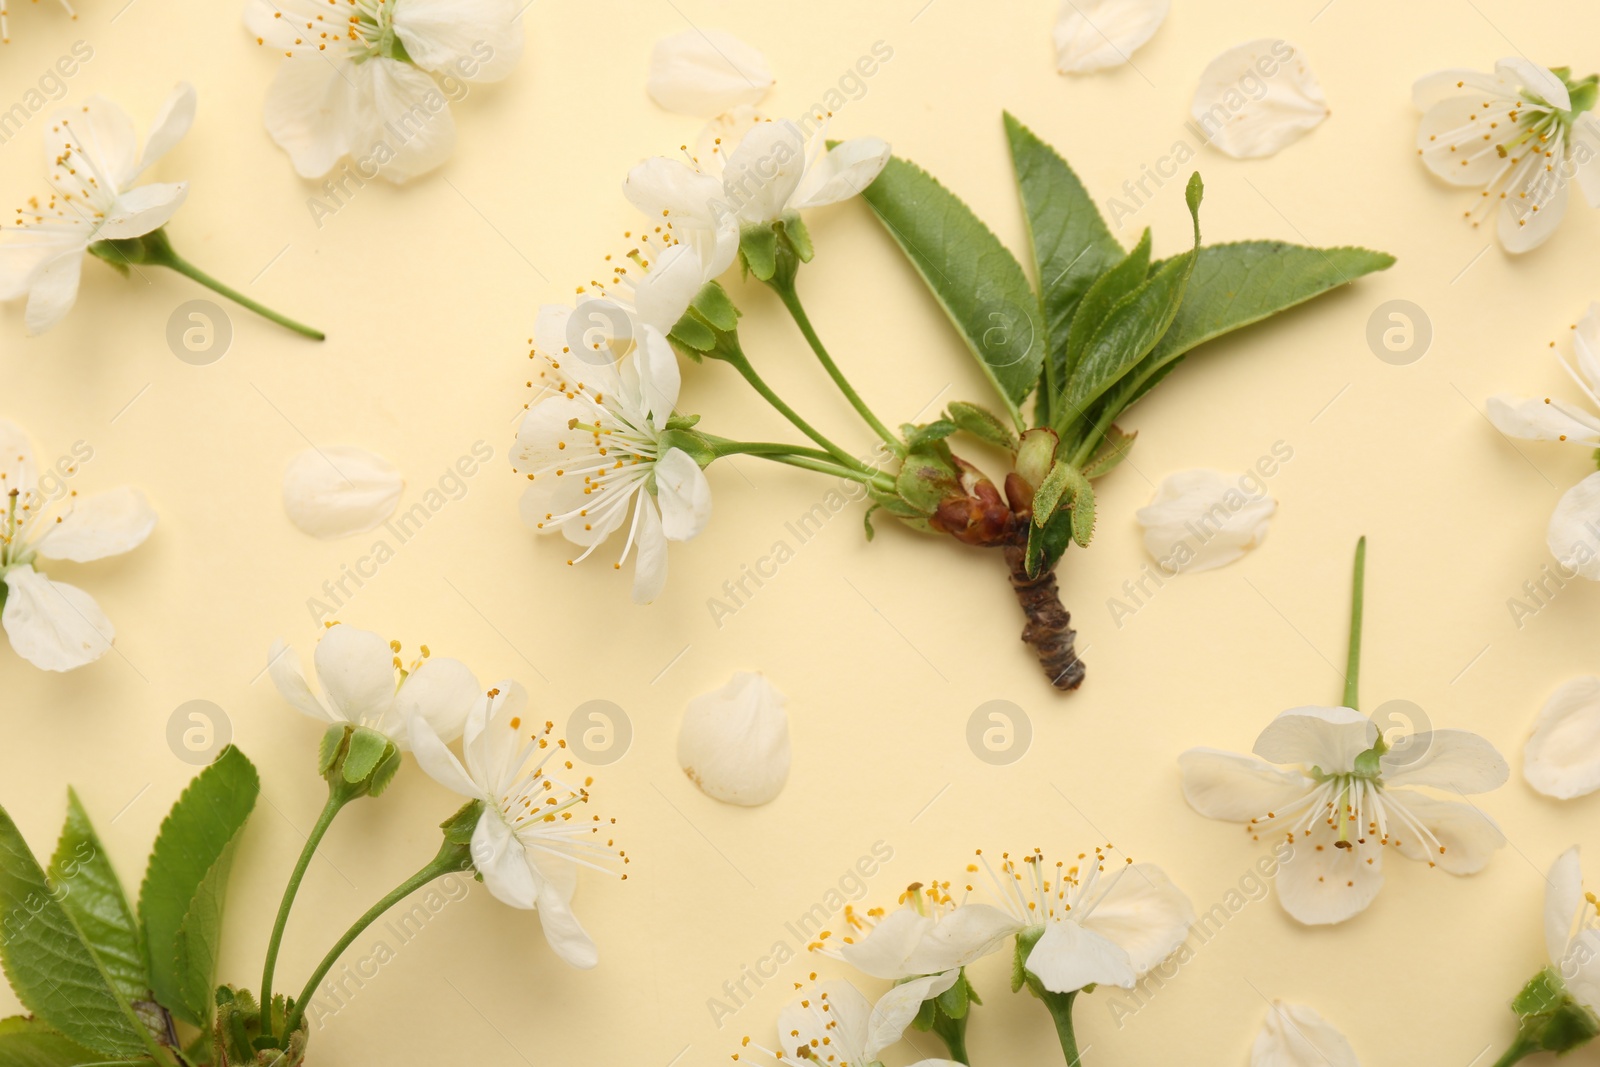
x=1048 y=631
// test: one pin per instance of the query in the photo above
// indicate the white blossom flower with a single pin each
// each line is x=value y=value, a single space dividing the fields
x=94 y=163
x=1296 y=1036
x=339 y=490
x=365 y=683
x=1562 y=756
x=1258 y=98
x=1571 y=934
x=593 y=452
x=1574 y=531
x=1201 y=519
x=706 y=72
x=372 y=79
x=834 y=1025
x=5 y=23
x=529 y=842
x=1323 y=780
x=1092 y=35
x=734 y=742
x=1521 y=135
x=53 y=625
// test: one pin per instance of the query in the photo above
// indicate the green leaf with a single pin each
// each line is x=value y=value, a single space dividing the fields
x=30 y=1043
x=52 y=969
x=1111 y=453
x=1071 y=244
x=1134 y=326
x=81 y=872
x=977 y=281
x=983 y=424
x=181 y=900
x=1109 y=290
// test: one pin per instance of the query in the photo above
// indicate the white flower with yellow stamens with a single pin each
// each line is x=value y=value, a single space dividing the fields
x=1328 y=781
x=597 y=454
x=373 y=79
x=1522 y=134
x=529 y=842
x=832 y=1024
x=5 y=19
x=53 y=625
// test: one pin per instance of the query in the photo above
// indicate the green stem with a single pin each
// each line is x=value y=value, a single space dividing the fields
x=451 y=858
x=784 y=286
x=741 y=363
x=189 y=270
x=1352 y=670
x=1520 y=1049
x=338 y=797
x=1060 y=1007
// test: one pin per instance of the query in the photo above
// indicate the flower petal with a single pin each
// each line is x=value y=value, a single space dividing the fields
x=1235 y=788
x=440 y=692
x=340 y=490
x=734 y=742
x=842 y=172
x=1574 y=532
x=106 y=524
x=684 y=495
x=1563 y=902
x=1296 y=1036
x=311 y=111
x=141 y=210
x=170 y=125
x=356 y=669
x=1249 y=112
x=1321 y=884
x=1457 y=760
x=1542 y=420
x=1092 y=35
x=1202 y=519
x=1467 y=837
x=475 y=40
x=650 y=562
x=54 y=291
x=53 y=625
x=1327 y=738
x=1144 y=914
x=706 y=72
x=1068 y=957
x=283 y=664
x=964 y=936
x=1562 y=757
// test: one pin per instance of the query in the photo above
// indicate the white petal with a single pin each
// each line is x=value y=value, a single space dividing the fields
x=141 y=210
x=1562 y=757
x=650 y=548
x=1455 y=760
x=1563 y=902
x=283 y=664
x=1574 y=533
x=964 y=936
x=1542 y=420
x=1525 y=224
x=1249 y=113
x=170 y=125
x=1202 y=519
x=706 y=72
x=1067 y=957
x=1224 y=785
x=18 y=470
x=734 y=742
x=440 y=764
x=1296 y=1036
x=888 y=945
x=842 y=172
x=106 y=524
x=440 y=692
x=403 y=119
x=356 y=669
x=1327 y=738
x=54 y=291
x=53 y=625
x=1321 y=883
x=503 y=862
x=1144 y=914
x=895 y=1009
x=1467 y=837
x=1092 y=35
x=763 y=172
x=311 y=112
x=565 y=935
x=684 y=495
x=475 y=40
x=340 y=490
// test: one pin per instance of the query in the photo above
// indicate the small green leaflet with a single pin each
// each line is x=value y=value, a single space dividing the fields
x=180 y=902
x=30 y=1043
x=977 y=281
x=95 y=898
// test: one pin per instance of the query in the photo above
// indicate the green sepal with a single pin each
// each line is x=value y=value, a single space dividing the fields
x=983 y=424
x=1550 y=1018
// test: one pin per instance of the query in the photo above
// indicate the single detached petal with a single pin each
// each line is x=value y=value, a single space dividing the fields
x=1562 y=757
x=1542 y=420
x=1321 y=883
x=1574 y=533
x=1235 y=788
x=1463 y=839
x=55 y=290
x=106 y=524
x=311 y=111
x=283 y=665
x=650 y=564
x=1095 y=34
x=53 y=625
x=966 y=935
x=1257 y=99
x=340 y=490
x=706 y=72
x=1296 y=1036
x=141 y=210
x=440 y=692
x=1563 y=901
x=1068 y=957
x=356 y=669
x=170 y=125
x=1327 y=738
x=402 y=119
x=1144 y=914
x=1202 y=519
x=475 y=40
x=888 y=945
x=684 y=495
x=1456 y=760
x=842 y=172
x=734 y=742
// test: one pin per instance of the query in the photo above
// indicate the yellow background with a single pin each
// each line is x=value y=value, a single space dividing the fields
x=428 y=294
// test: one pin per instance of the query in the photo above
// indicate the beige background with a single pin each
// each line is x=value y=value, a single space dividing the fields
x=428 y=294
